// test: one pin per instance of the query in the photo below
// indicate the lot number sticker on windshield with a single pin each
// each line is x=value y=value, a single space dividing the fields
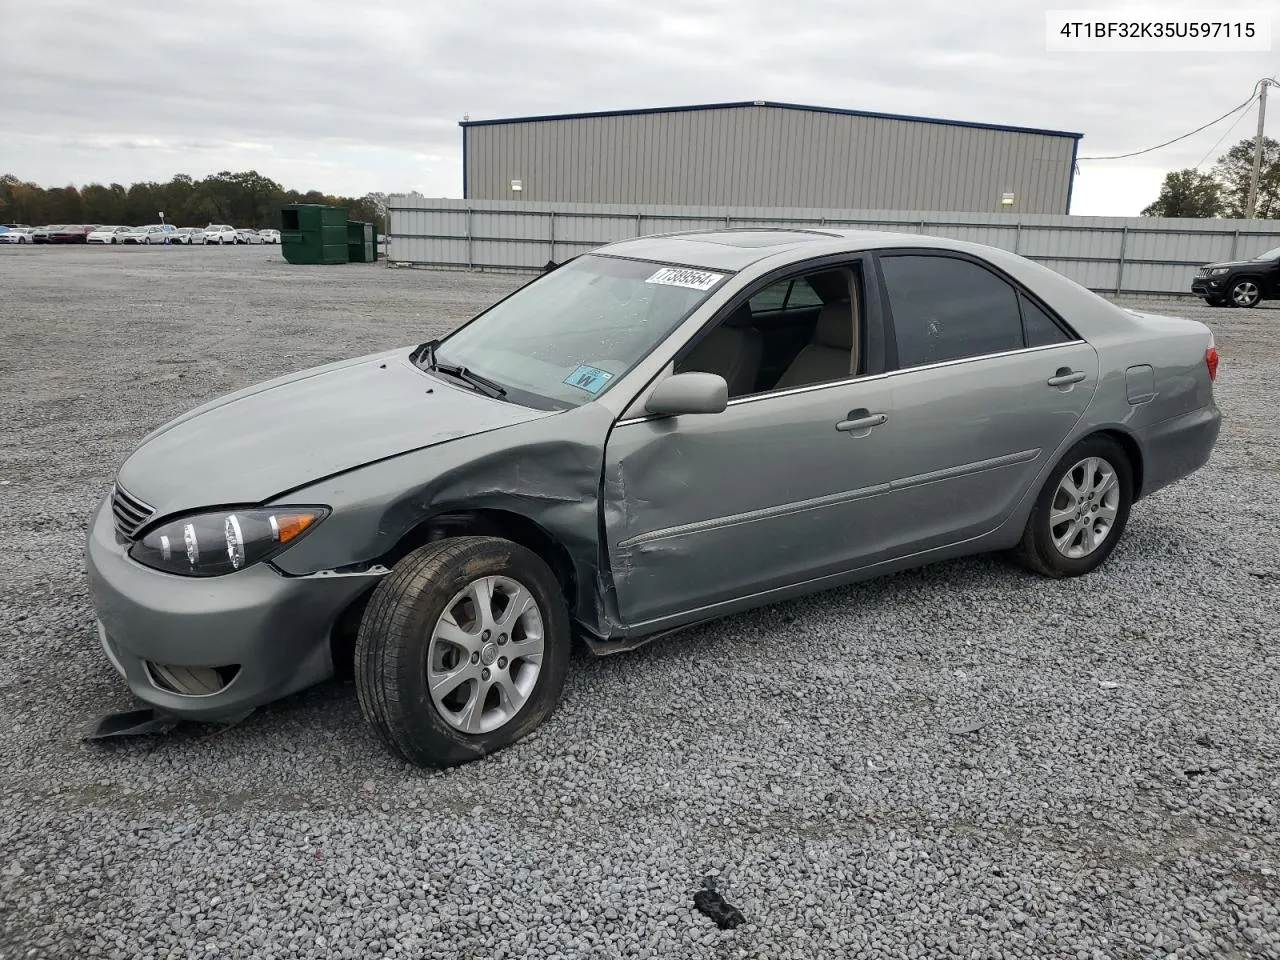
x=590 y=379
x=682 y=277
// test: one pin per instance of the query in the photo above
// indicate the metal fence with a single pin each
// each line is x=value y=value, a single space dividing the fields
x=1114 y=255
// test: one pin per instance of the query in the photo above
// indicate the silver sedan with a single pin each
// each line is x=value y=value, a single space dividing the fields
x=660 y=432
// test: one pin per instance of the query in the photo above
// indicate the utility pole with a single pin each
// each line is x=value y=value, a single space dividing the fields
x=1250 y=206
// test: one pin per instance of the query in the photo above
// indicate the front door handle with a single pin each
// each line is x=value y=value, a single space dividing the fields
x=860 y=420
x=1066 y=376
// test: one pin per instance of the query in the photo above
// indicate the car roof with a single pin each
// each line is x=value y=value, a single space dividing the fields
x=735 y=249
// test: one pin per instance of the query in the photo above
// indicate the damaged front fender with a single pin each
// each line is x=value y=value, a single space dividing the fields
x=547 y=471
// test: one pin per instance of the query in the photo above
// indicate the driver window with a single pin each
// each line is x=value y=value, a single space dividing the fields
x=799 y=331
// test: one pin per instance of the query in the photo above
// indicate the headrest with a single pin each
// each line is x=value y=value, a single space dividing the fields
x=835 y=326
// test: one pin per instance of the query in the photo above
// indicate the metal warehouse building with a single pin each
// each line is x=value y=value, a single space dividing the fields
x=762 y=154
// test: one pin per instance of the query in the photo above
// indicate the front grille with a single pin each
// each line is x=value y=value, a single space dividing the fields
x=1202 y=272
x=130 y=513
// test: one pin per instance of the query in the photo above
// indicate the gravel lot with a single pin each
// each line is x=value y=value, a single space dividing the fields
x=1120 y=799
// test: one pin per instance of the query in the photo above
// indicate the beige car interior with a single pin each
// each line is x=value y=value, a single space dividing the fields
x=734 y=348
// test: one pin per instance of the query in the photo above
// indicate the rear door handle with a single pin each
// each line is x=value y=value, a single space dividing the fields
x=1065 y=377
x=864 y=422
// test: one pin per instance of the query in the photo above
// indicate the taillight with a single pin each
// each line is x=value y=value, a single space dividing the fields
x=1211 y=361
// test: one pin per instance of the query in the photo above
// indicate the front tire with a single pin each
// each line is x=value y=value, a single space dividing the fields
x=1245 y=293
x=1081 y=512
x=462 y=650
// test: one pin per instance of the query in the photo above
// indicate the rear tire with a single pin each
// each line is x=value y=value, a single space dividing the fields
x=413 y=628
x=1070 y=534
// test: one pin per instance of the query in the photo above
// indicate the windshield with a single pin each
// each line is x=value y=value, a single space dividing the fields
x=568 y=335
x=1272 y=254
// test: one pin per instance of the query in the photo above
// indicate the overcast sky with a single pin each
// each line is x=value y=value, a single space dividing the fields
x=362 y=95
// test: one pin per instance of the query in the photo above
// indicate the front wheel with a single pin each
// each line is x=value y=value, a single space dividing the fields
x=1245 y=293
x=462 y=650
x=1081 y=512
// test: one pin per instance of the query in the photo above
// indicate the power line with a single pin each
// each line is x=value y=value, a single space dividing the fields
x=1236 y=109
x=1224 y=136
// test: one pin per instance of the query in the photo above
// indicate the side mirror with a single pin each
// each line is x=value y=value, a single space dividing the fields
x=689 y=393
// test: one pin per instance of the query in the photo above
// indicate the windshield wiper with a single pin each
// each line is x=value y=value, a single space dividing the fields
x=425 y=357
x=483 y=384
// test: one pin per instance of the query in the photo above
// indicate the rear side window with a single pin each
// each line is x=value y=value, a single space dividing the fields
x=770 y=298
x=1038 y=327
x=802 y=295
x=949 y=309
x=786 y=295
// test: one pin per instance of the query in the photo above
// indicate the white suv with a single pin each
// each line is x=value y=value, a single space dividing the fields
x=219 y=233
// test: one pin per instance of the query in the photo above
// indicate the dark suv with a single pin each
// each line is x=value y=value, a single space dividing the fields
x=1239 y=283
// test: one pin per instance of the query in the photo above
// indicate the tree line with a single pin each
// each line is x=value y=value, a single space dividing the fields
x=1223 y=191
x=245 y=199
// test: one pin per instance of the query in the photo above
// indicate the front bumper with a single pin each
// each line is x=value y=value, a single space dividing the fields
x=1209 y=286
x=267 y=631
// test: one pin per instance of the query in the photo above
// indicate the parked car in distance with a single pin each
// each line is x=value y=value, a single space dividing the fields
x=152 y=233
x=106 y=234
x=220 y=234
x=269 y=236
x=17 y=235
x=41 y=234
x=71 y=233
x=183 y=235
x=825 y=406
x=1239 y=283
x=247 y=235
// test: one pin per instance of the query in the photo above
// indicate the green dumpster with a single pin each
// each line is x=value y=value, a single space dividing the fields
x=313 y=233
x=360 y=246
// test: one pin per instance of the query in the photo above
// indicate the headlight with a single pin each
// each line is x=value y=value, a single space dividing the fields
x=213 y=544
x=1219 y=271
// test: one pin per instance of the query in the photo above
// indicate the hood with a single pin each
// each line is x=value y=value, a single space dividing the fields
x=1235 y=263
x=250 y=446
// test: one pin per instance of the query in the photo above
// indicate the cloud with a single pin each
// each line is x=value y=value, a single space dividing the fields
x=368 y=96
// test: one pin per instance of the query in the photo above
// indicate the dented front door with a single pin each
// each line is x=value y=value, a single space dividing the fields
x=775 y=490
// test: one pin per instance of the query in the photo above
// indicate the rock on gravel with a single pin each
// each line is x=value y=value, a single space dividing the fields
x=959 y=761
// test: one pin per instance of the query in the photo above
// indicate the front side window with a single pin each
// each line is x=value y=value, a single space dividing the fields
x=567 y=336
x=945 y=308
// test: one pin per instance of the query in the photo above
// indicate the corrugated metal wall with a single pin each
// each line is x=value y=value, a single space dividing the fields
x=770 y=157
x=1109 y=254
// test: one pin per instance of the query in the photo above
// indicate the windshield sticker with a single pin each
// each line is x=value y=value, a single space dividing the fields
x=682 y=277
x=590 y=379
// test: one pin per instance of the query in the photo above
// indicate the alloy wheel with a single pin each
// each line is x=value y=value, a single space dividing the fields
x=1245 y=293
x=485 y=654
x=1084 y=508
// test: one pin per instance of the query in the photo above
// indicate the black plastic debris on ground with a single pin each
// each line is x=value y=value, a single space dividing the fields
x=710 y=904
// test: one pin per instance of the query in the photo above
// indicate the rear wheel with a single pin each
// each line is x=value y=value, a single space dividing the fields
x=462 y=650
x=1245 y=293
x=1081 y=512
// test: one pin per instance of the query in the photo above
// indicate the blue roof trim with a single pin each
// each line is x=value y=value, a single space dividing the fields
x=770 y=103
